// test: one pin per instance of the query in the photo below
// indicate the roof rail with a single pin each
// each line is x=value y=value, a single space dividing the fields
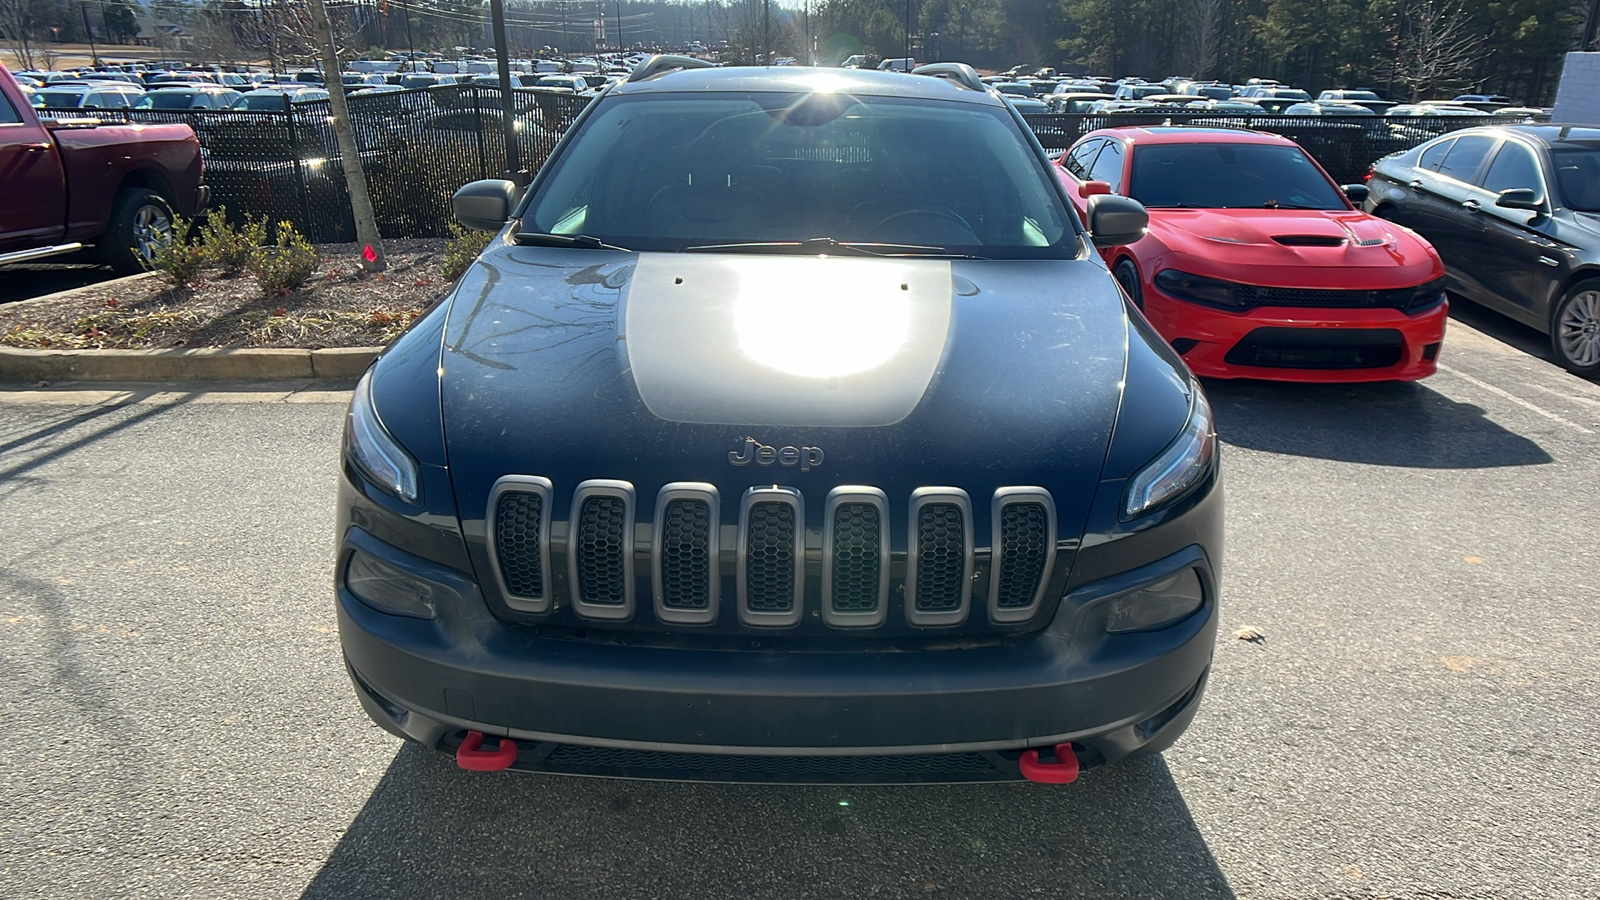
x=666 y=62
x=961 y=73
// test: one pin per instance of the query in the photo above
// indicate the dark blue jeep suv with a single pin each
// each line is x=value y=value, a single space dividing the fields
x=789 y=429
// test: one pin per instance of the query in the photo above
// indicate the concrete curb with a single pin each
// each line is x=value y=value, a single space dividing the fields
x=200 y=364
x=203 y=364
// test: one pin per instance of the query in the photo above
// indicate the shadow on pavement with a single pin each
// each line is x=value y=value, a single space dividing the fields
x=1403 y=424
x=432 y=830
x=1502 y=328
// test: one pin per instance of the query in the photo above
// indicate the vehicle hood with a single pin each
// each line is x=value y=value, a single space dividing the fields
x=1229 y=243
x=654 y=368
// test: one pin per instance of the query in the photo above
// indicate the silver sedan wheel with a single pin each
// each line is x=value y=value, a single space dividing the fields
x=152 y=231
x=1578 y=329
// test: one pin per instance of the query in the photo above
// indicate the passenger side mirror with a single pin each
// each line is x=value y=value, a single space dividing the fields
x=1356 y=192
x=1115 y=221
x=485 y=205
x=1093 y=188
x=1520 y=198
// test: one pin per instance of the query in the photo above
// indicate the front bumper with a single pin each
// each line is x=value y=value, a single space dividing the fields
x=607 y=708
x=1311 y=345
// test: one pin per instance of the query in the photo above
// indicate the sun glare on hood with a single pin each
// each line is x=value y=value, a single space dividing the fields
x=828 y=321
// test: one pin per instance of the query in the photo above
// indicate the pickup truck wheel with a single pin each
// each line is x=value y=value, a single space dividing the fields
x=141 y=225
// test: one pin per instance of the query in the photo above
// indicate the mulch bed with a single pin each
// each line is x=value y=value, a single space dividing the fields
x=336 y=308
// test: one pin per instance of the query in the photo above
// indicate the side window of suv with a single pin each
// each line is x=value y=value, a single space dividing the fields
x=1108 y=166
x=1080 y=160
x=1465 y=156
x=8 y=113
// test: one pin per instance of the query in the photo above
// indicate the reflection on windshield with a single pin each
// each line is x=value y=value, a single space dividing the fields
x=1578 y=177
x=1220 y=176
x=669 y=172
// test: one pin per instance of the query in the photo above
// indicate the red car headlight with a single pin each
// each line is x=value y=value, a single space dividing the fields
x=1198 y=288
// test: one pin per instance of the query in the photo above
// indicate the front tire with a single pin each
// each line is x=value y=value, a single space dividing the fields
x=1575 y=329
x=142 y=224
x=1127 y=275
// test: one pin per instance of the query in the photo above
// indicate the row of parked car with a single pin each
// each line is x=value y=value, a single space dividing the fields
x=1101 y=96
x=95 y=90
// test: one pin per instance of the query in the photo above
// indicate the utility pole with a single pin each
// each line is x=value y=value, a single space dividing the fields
x=623 y=46
x=411 y=40
x=766 y=34
x=94 y=55
x=508 y=112
x=908 y=29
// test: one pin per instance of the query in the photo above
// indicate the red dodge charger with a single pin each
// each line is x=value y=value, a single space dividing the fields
x=1256 y=265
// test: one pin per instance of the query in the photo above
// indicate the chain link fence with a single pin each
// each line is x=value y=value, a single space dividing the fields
x=418 y=146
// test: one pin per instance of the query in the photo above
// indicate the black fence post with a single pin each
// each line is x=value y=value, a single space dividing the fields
x=483 y=150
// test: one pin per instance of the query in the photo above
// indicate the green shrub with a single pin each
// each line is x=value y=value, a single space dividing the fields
x=283 y=268
x=179 y=262
x=463 y=247
x=230 y=248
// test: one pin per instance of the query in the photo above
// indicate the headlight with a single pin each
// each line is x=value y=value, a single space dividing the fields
x=370 y=448
x=388 y=589
x=1179 y=467
x=1156 y=606
x=1197 y=288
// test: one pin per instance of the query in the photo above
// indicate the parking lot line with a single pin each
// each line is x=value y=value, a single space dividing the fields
x=1515 y=399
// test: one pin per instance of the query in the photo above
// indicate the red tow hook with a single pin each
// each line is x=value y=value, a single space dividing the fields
x=469 y=757
x=1063 y=772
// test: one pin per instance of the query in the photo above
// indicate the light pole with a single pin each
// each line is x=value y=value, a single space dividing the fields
x=94 y=55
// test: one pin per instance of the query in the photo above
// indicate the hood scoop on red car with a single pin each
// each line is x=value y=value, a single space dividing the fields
x=1310 y=240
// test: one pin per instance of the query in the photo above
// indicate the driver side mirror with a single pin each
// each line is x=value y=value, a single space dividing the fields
x=1093 y=188
x=1115 y=221
x=485 y=205
x=1356 y=192
x=1520 y=198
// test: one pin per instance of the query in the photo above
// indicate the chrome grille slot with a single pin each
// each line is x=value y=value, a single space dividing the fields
x=519 y=544
x=771 y=573
x=855 y=557
x=1023 y=548
x=600 y=549
x=685 y=569
x=939 y=557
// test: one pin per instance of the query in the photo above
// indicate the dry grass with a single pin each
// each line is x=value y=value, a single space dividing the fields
x=337 y=308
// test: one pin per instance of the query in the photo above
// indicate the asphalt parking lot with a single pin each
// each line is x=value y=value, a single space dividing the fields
x=1418 y=722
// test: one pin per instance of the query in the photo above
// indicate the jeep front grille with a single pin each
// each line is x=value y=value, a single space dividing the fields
x=771 y=578
x=684 y=554
x=1022 y=551
x=600 y=551
x=519 y=521
x=764 y=559
x=855 y=557
x=939 y=557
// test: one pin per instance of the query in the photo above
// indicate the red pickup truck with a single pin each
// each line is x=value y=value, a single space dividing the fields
x=68 y=184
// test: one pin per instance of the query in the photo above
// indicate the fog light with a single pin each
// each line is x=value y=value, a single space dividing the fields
x=388 y=589
x=1155 y=606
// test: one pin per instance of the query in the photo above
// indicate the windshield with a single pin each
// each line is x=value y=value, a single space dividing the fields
x=1578 y=177
x=58 y=99
x=166 y=100
x=1222 y=176
x=674 y=171
x=259 y=102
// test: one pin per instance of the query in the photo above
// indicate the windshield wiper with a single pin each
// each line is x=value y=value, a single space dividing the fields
x=546 y=239
x=826 y=244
